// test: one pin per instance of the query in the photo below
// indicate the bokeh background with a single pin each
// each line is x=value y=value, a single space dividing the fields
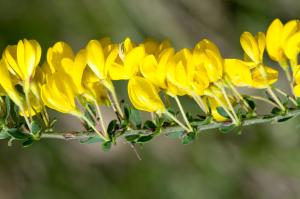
x=262 y=162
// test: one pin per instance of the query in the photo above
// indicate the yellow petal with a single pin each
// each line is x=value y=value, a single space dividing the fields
x=213 y=64
x=56 y=53
x=261 y=41
x=200 y=81
x=58 y=95
x=250 y=46
x=273 y=40
x=148 y=68
x=95 y=58
x=144 y=96
x=238 y=73
x=297 y=90
x=259 y=81
x=6 y=83
x=10 y=57
x=28 y=56
x=292 y=46
x=133 y=59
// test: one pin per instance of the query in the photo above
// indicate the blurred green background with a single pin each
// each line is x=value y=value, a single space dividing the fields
x=263 y=162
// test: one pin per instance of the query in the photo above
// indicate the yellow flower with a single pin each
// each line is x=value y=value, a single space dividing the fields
x=155 y=69
x=206 y=53
x=144 y=96
x=153 y=47
x=200 y=80
x=180 y=73
x=23 y=58
x=238 y=72
x=94 y=90
x=96 y=58
x=292 y=47
x=277 y=37
x=253 y=46
x=58 y=94
x=75 y=68
x=8 y=86
x=124 y=60
x=264 y=76
x=57 y=53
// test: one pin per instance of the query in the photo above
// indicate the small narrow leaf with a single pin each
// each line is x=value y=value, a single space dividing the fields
x=17 y=134
x=227 y=128
x=222 y=111
x=27 y=143
x=145 y=138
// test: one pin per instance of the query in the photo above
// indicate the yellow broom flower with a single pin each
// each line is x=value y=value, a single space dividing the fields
x=155 y=68
x=124 y=60
x=58 y=94
x=144 y=96
x=277 y=37
x=206 y=53
x=23 y=58
x=7 y=84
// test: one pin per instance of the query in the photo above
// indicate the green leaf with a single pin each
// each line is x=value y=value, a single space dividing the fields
x=149 y=125
x=250 y=102
x=188 y=138
x=284 y=119
x=27 y=143
x=92 y=139
x=106 y=145
x=135 y=117
x=111 y=127
x=145 y=138
x=175 y=134
x=132 y=138
x=4 y=134
x=276 y=111
x=127 y=112
x=227 y=128
x=36 y=127
x=222 y=111
x=18 y=134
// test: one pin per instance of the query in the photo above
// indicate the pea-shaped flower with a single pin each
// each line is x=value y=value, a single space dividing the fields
x=124 y=60
x=277 y=37
x=155 y=68
x=180 y=73
x=7 y=84
x=144 y=96
x=206 y=53
x=58 y=94
x=23 y=58
x=253 y=47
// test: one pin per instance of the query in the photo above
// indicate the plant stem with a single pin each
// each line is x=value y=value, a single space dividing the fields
x=275 y=98
x=200 y=103
x=234 y=90
x=93 y=127
x=101 y=118
x=286 y=95
x=202 y=127
x=265 y=100
x=183 y=113
x=177 y=121
x=221 y=87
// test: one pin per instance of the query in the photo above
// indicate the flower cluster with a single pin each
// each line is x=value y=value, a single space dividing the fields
x=72 y=83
